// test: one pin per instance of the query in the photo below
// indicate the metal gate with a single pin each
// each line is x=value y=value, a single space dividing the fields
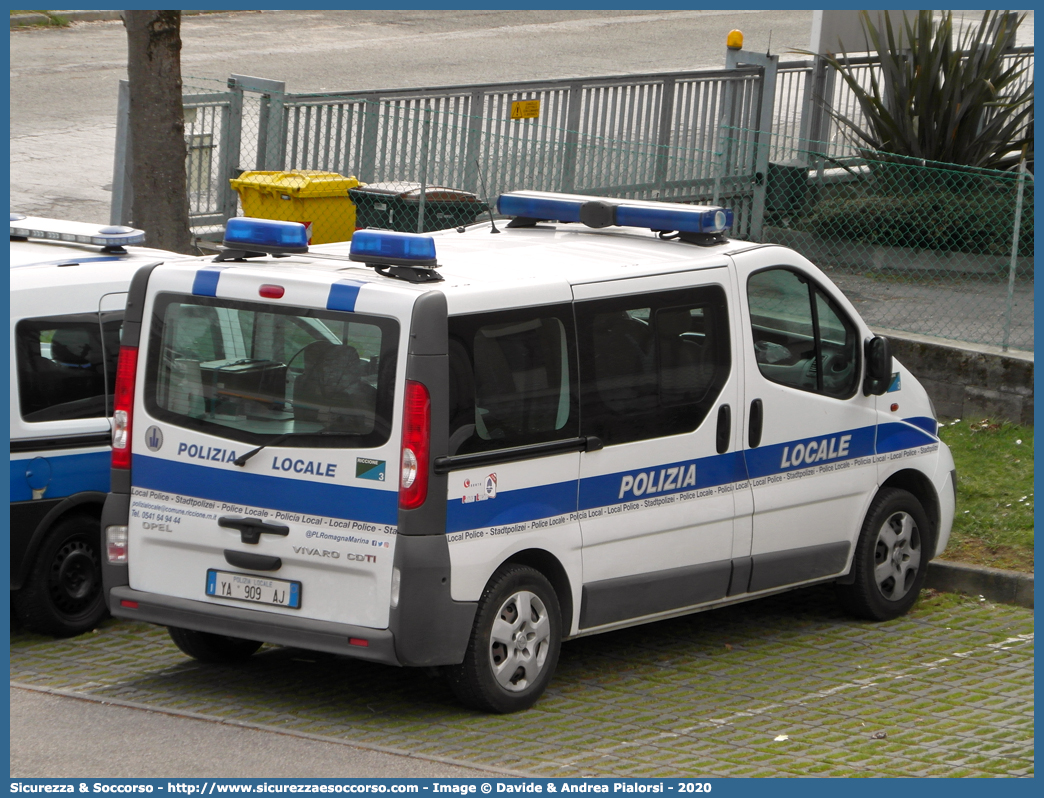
x=661 y=136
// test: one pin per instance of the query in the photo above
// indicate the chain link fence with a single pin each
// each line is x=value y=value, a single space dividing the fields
x=919 y=246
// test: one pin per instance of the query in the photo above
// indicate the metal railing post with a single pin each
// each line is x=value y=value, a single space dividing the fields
x=663 y=137
x=572 y=137
x=424 y=155
x=769 y=65
x=1014 y=253
x=371 y=112
x=821 y=99
x=275 y=156
x=122 y=187
x=271 y=135
x=808 y=114
x=473 y=147
x=228 y=157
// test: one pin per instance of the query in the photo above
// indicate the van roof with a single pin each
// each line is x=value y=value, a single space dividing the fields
x=537 y=264
x=41 y=269
x=30 y=255
x=569 y=252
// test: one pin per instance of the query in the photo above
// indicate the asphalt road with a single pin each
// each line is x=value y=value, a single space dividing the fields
x=782 y=686
x=64 y=81
x=58 y=736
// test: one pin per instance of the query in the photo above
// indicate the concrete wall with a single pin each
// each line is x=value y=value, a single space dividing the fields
x=969 y=381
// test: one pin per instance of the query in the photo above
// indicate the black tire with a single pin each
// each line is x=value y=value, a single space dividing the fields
x=208 y=647
x=63 y=593
x=510 y=675
x=891 y=559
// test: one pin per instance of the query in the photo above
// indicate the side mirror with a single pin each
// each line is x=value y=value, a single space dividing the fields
x=878 y=366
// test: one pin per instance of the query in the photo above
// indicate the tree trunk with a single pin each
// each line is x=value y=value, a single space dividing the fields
x=157 y=126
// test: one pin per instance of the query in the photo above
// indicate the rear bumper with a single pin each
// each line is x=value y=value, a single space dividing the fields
x=253 y=625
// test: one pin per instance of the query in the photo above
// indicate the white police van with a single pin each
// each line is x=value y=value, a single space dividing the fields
x=68 y=283
x=460 y=449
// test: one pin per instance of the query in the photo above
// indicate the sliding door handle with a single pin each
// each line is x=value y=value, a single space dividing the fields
x=756 y=418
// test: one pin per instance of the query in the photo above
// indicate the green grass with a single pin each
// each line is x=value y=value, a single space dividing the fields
x=994 y=521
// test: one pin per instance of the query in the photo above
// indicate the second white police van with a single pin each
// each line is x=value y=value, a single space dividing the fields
x=461 y=449
x=68 y=285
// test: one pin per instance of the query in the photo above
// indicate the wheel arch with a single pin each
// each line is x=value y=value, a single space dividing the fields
x=549 y=565
x=921 y=487
x=87 y=502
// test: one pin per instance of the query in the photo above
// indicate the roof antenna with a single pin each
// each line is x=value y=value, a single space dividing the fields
x=768 y=50
x=485 y=196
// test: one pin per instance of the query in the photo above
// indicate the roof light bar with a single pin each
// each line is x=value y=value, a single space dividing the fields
x=605 y=211
x=109 y=237
x=404 y=256
x=243 y=233
x=561 y=207
x=387 y=248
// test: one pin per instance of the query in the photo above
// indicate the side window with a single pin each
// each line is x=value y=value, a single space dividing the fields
x=652 y=365
x=67 y=366
x=512 y=379
x=801 y=338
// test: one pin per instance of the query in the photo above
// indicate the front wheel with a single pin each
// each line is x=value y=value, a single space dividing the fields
x=514 y=644
x=890 y=560
x=63 y=594
x=207 y=647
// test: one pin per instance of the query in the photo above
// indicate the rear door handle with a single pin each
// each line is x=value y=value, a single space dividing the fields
x=724 y=429
x=756 y=415
x=252 y=562
x=250 y=529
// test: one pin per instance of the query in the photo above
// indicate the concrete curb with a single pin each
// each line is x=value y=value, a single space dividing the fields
x=994 y=584
x=29 y=20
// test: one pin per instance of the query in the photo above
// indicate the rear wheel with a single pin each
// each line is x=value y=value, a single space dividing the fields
x=890 y=561
x=208 y=647
x=63 y=595
x=514 y=644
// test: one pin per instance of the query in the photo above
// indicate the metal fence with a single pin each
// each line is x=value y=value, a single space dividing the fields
x=743 y=137
x=650 y=136
x=805 y=87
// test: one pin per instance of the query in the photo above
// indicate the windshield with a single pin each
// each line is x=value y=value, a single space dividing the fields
x=252 y=372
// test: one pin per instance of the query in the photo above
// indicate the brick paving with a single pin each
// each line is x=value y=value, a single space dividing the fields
x=944 y=691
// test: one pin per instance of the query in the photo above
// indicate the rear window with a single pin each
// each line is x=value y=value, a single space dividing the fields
x=250 y=372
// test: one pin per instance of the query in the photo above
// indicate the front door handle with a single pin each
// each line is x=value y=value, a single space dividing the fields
x=756 y=416
x=250 y=529
x=724 y=429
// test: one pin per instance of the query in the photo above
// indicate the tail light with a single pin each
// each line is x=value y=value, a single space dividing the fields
x=416 y=434
x=116 y=544
x=123 y=407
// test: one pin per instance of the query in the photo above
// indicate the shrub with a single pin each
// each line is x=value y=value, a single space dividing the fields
x=979 y=223
x=937 y=102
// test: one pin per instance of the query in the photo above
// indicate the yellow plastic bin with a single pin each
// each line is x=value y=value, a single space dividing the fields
x=319 y=200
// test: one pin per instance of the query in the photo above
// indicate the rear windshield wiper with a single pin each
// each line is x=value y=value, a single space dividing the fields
x=241 y=460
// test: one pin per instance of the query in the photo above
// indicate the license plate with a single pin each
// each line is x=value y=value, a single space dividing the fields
x=256 y=589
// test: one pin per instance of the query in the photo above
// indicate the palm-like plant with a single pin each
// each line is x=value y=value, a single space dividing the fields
x=937 y=102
